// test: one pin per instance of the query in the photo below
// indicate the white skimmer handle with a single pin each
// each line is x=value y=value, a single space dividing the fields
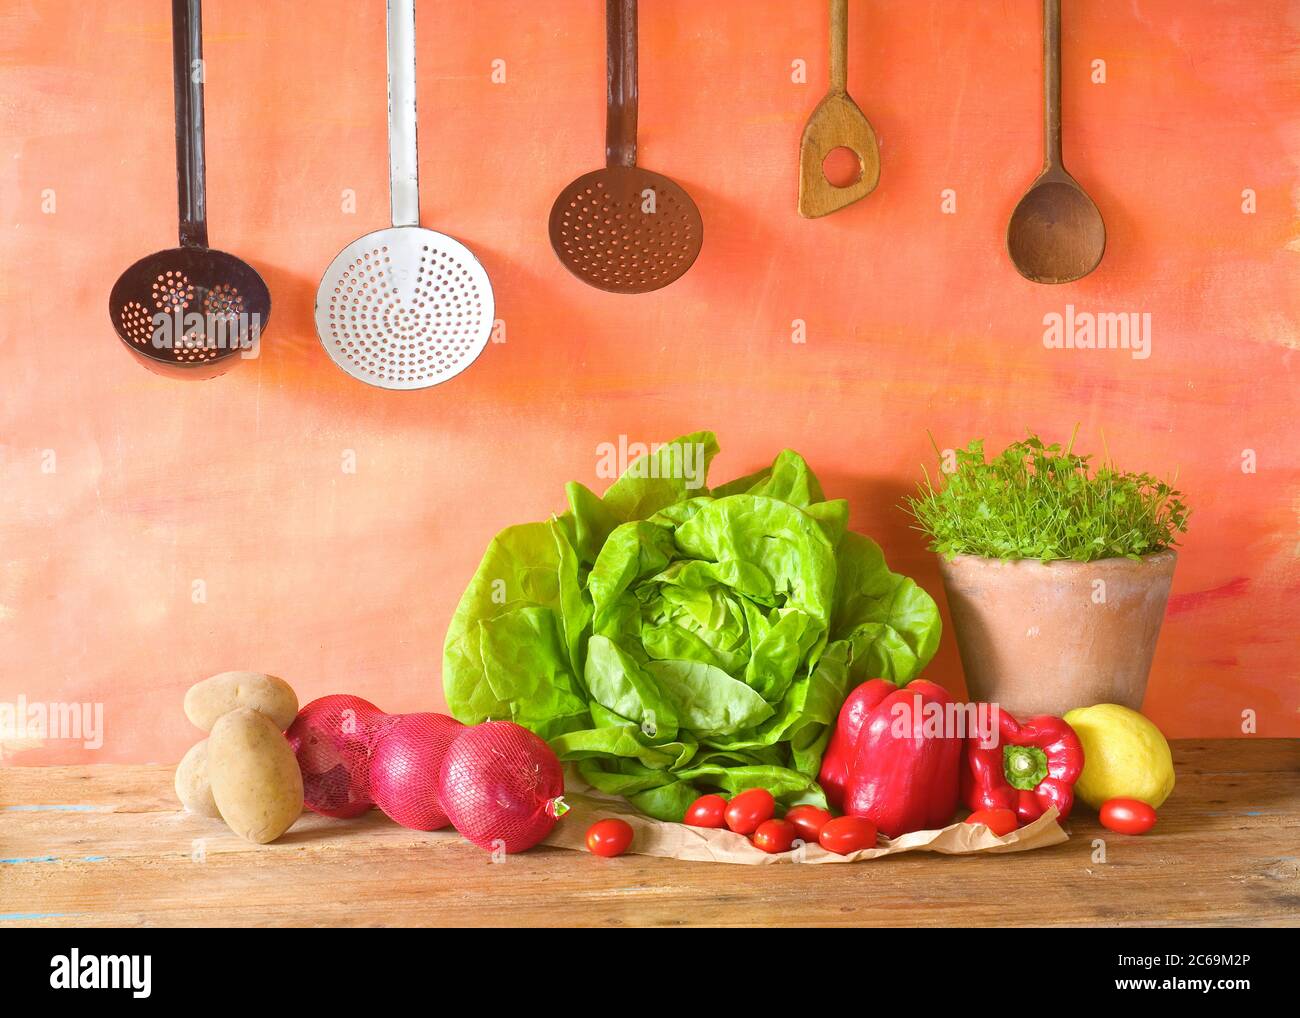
x=403 y=162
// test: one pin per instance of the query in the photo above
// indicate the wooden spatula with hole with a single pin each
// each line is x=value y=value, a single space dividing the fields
x=836 y=123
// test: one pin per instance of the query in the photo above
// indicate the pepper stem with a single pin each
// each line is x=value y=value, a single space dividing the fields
x=1024 y=766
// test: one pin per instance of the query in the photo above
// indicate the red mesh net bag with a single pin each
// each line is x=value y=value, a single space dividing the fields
x=405 y=765
x=501 y=786
x=333 y=739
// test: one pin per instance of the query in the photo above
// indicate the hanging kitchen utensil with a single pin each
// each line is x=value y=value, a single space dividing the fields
x=622 y=228
x=837 y=122
x=1056 y=234
x=189 y=311
x=404 y=307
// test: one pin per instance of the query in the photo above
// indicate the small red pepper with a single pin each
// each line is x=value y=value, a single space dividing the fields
x=1032 y=767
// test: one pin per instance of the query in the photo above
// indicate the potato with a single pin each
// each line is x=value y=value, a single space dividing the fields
x=192 y=787
x=254 y=775
x=208 y=700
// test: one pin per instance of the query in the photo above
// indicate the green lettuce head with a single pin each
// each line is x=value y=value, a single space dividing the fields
x=674 y=640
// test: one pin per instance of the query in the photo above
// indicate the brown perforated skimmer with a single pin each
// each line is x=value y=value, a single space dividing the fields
x=622 y=228
x=189 y=311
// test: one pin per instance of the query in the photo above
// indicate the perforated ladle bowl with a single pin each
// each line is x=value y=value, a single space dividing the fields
x=623 y=228
x=189 y=311
x=404 y=307
x=228 y=294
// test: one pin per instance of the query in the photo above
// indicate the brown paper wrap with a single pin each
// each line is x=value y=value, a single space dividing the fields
x=700 y=844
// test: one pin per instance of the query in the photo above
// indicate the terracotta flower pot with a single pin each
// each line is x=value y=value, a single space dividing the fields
x=1046 y=638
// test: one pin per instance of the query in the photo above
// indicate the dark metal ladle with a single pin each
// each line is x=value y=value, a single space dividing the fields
x=190 y=311
x=1056 y=234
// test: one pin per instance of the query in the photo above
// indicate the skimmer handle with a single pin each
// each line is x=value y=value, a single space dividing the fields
x=620 y=88
x=403 y=164
x=187 y=88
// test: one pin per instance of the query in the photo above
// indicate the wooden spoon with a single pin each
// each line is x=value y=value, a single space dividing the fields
x=1055 y=234
x=836 y=123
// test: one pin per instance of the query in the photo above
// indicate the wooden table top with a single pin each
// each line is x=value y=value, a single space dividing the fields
x=109 y=846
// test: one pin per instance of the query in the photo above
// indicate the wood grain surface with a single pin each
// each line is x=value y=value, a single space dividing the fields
x=108 y=846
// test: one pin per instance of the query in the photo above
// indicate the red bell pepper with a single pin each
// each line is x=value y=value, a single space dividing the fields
x=904 y=774
x=1033 y=766
x=838 y=757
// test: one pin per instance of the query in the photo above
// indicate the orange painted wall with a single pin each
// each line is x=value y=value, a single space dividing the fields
x=915 y=319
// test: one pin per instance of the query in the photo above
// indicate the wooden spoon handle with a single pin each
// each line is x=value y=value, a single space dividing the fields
x=839 y=45
x=620 y=86
x=1051 y=83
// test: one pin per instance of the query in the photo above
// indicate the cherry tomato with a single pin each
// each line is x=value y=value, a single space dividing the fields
x=1000 y=821
x=1127 y=816
x=848 y=834
x=707 y=811
x=775 y=836
x=749 y=809
x=609 y=838
x=808 y=821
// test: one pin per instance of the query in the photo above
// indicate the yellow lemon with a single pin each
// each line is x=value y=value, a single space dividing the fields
x=1124 y=756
